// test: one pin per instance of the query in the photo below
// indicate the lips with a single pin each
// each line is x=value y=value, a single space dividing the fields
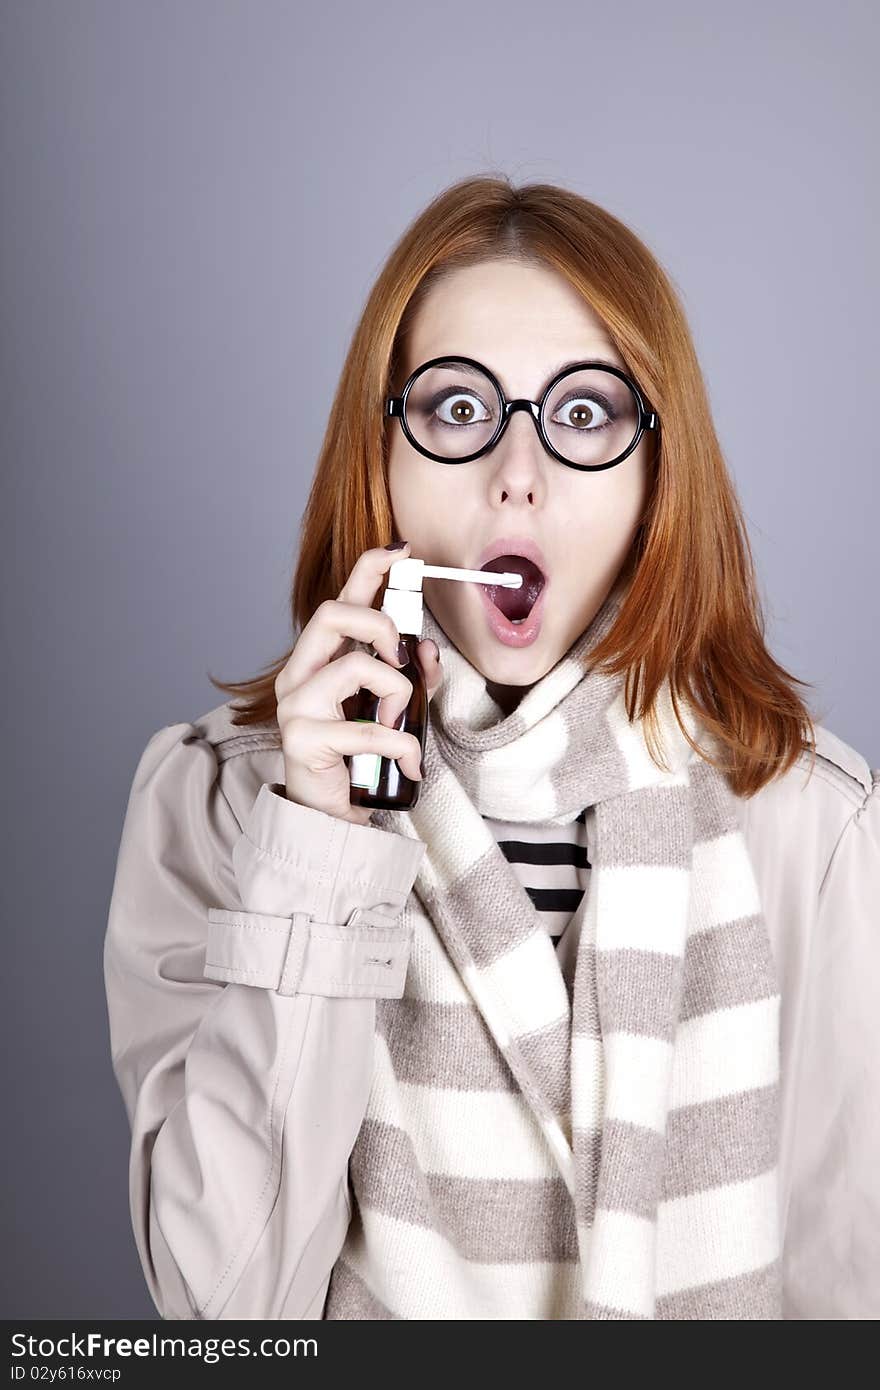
x=515 y=604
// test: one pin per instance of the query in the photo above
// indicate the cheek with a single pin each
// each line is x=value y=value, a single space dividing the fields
x=425 y=496
x=611 y=504
x=401 y=486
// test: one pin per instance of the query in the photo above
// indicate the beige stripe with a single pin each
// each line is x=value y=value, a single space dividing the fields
x=635 y=990
x=755 y=1295
x=730 y=964
x=708 y=1145
x=721 y=1141
x=646 y=827
x=490 y=1220
x=585 y=1003
x=587 y=1156
x=349 y=1299
x=714 y=812
x=632 y=1160
x=442 y=1045
x=512 y=918
x=548 y=1053
x=600 y=1312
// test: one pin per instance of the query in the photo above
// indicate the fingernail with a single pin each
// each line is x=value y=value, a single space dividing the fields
x=436 y=648
x=396 y=545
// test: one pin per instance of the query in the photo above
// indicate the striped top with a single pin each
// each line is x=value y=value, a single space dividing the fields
x=551 y=863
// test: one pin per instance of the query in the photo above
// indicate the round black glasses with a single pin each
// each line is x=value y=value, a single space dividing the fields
x=590 y=416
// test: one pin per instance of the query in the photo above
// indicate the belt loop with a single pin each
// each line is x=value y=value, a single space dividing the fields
x=291 y=972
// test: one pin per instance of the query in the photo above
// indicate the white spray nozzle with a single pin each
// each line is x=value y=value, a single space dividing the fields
x=403 y=592
x=408 y=574
x=507 y=580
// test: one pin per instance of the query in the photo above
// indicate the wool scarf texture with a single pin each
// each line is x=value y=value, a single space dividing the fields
x=602 y=1147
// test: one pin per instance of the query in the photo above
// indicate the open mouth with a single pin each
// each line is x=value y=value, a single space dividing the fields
x=515 y=604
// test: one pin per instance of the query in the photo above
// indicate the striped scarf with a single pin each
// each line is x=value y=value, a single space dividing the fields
x=613 y=1154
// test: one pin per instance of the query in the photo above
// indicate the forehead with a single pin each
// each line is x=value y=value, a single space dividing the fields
x=521 y=321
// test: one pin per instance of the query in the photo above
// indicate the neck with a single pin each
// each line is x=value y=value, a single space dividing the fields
x=507 y=696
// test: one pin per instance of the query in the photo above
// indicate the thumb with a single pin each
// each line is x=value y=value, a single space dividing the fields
x=429 y=656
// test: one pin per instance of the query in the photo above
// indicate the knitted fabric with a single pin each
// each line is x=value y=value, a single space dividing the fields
x=525 y=1154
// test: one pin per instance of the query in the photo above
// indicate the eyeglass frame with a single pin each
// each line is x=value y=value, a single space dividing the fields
x=395 y=406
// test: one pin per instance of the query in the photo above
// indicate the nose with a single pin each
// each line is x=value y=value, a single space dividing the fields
x=530 y=408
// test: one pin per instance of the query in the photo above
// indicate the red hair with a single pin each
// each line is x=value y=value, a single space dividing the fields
x=692 y=611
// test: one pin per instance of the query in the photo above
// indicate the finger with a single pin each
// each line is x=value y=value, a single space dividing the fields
x=324 y=695
x=324 y=636
x=368 y=572
x=430 y=662
x=329 y=740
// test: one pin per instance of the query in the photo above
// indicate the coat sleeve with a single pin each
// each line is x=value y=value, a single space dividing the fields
x=242 y=964
x=832 y=1251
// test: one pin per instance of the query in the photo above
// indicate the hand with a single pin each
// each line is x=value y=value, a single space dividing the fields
x=322 y=671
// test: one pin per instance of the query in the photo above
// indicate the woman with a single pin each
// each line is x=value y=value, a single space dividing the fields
x=588 y=1031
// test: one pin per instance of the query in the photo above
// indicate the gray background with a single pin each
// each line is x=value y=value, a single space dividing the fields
x=197 y=196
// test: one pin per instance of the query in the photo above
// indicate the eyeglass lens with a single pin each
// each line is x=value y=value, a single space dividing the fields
x=590 y=416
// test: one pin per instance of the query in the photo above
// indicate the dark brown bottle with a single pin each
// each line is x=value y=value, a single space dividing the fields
x=379 y=782
x=375 y=781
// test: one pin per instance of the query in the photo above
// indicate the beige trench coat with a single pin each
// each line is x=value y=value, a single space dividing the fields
x=241 y=974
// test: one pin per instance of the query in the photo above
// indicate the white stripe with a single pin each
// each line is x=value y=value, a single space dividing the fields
x=465 y=693
x=530 y=980
x=456 y=845
x=587 y=1082
x=502 y=785
x=572 y=833
x=716 y=1055
x=637 y=1072
x=728 y=1050
x=724 y=886
x=464 y=1134
x=493 y=1010
x=717 y=1234
x=431 y=975
x=738 y=1232
x=623 y=1277
x=552 y=876
x=560 y=1145
x=417 y=1273
x=641 y=769
x=642 y=907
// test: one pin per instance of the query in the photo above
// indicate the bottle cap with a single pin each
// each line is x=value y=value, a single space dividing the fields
x=403 y=596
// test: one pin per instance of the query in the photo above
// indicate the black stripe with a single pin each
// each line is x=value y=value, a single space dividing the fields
x=555 y=899
x=556 y=852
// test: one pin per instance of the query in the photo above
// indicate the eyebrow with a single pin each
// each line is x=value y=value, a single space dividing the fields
x=598 y=359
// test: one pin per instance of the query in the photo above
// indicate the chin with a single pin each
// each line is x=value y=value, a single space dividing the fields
x=517 y=668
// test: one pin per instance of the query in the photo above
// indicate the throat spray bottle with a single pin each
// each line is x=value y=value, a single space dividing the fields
x=378 y=782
